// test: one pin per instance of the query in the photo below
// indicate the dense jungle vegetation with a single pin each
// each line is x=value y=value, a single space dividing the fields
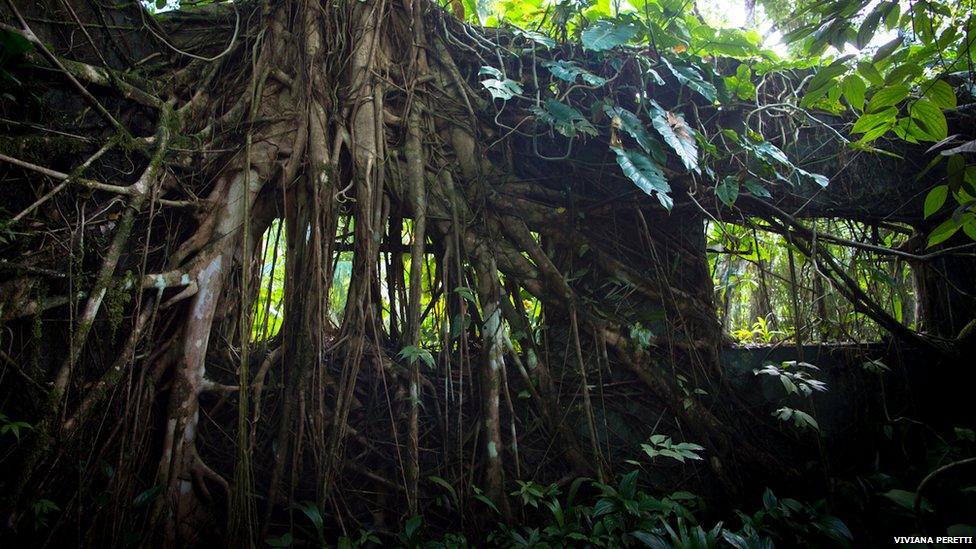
x=506 y=273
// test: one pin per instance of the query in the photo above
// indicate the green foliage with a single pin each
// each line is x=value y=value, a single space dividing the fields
x=801 y=419
x=595 y=514
x=569 y=71
x=677 y=134
x=727 y=190
x=875 y=366
x=751 y=275
x=42 y=509
x=14 y=428
x=906 y=500
x=412 y=532
x=641 y=335
x=498 y=85
x=632 y=124
x=314 y=515
x=563 y=118
x=794 y=523
x=411 y=354
x=647 y=175
x=663 y=446
x=606 y=34
x=13 y=46
x=794 y=378
x=761 y=332
x=906 y=89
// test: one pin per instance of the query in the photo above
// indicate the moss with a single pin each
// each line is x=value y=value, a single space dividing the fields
x=128 y=144
x=36 y=337
x=116 y=300
x=40 y=149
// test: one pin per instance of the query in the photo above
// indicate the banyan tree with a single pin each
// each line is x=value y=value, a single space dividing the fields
x=357 y=261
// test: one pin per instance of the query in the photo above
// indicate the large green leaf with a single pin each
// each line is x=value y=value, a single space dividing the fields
x=870 y=121
x=826 y=75
x=944 y=231
x=606 y=34
x=741 y=84
x=941 y=94
x=886 y=97
x=727 y=190
x=854 y=89
x=565 y=119
x=502 y=89
x=887 y=49
x=930 y=118
x=906 y=499
x=634 y=126
x=768 y=153
x=647 y=175
x=726 y=42
x=689 y=76
x=817 y=178
x=869 y=25
x=569 y=71
x=536 y=37
x=756 y=189
x=870 y=73
x=935 y=199
x=676 y=133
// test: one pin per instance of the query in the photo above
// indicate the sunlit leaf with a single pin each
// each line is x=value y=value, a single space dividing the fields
x=606 y=34
x=854 y=89
x=940 y=94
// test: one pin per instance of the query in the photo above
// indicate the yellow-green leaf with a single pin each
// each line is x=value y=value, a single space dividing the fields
x=854 y=91
x=935 y=199
x=940 y=93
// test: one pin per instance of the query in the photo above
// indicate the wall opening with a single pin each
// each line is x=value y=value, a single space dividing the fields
x=767 y=292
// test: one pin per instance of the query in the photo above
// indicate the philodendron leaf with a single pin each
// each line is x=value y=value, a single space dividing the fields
x=676 y=133
x=565 y=119
x=569 y=71
x=536 y=37
x=645 y=174
x=727 y=190
x=503 y=89
x=689 y=76
x=634 y=126
x=756 y=189
x=606 y=34
x=817 y=178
